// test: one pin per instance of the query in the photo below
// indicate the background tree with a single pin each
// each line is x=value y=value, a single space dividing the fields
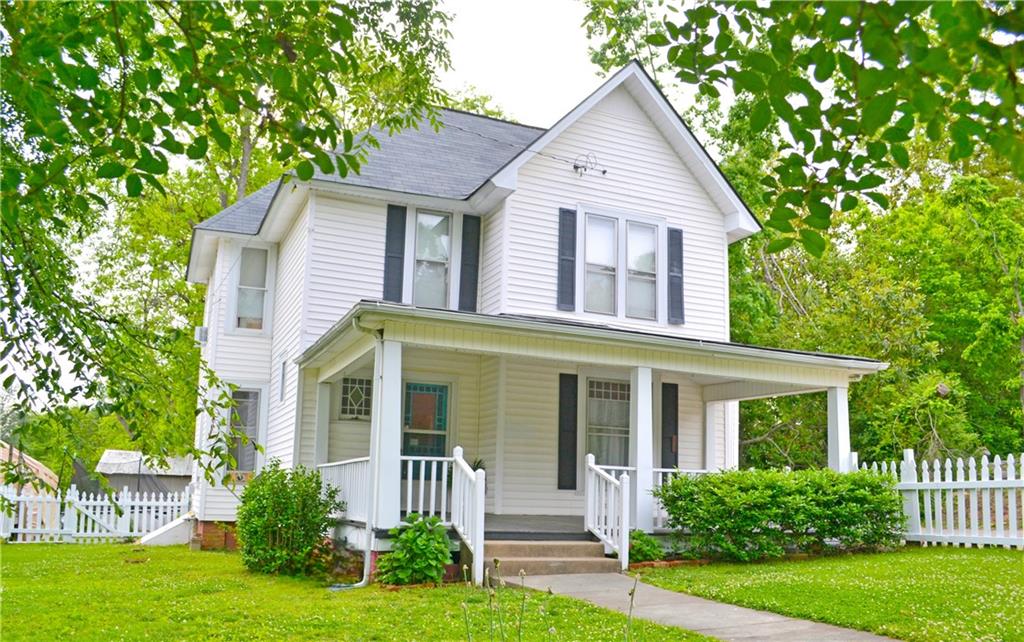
x=847 y=83
x=99 y=99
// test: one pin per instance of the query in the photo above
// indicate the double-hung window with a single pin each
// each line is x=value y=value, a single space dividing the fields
x=621 y=267
x=433 y=257
x=252 y=289
x=245 y=420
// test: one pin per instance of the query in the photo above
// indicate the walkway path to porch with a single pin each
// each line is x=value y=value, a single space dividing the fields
x=722 y=621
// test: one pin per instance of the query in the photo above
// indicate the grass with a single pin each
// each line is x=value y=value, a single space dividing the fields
x=915 y=594
x=123 y=592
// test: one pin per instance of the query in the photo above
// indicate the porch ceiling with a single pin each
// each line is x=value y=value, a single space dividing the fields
x=740 y=370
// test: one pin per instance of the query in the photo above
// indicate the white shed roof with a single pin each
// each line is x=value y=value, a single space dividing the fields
x=132 y=462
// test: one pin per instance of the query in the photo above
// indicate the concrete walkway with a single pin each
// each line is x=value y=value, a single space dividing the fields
x=722 y=621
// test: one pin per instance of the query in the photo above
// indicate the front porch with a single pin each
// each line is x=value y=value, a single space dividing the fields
x=505 y=426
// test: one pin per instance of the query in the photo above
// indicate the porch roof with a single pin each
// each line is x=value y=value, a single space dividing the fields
x=399 y=321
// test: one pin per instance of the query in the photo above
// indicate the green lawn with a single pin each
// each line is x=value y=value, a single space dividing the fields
x=915 y=594
x=116 y=592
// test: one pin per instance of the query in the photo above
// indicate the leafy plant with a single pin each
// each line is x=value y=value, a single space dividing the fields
x=644 y=548
x=283 y=518
x=419 y=554
x=848 y=84
x=753 y=514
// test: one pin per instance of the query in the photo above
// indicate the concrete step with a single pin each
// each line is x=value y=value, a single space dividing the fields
x=550 y=548
x=511 y=566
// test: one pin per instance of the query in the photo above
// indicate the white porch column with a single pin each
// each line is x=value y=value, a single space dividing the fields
x=323 y=421
x=711 y=410
x=838 y=429
x=731 y=410
x=641 y=445
x=386 y=434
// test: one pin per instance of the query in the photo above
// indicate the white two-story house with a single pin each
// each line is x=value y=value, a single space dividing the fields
x=507 y=326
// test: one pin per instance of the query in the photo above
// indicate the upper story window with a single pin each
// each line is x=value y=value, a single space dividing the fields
x=433 y=258
x=621 y=267
x=250 y=307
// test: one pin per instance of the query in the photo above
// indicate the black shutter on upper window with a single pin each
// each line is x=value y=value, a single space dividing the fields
x=567 y=399
x=675 y=276
x=470 y=270
x=669 y=425
x=394 y=253
x=566 y=259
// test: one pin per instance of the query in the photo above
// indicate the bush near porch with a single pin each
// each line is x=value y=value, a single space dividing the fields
x=125 y=592
x=748 y=515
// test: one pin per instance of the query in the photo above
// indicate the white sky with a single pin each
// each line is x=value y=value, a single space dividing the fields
x=529 y=55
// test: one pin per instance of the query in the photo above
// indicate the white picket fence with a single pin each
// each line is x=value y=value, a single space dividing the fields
x=87 y=517
x=960 y=503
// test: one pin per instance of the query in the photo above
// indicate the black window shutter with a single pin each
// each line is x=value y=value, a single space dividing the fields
x=567 y=397
x=470 y=270
x=669 y=425
x=394 y=254
x=675 y=276
x=566 y=259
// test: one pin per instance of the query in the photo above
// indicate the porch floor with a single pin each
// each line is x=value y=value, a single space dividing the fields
x=534 y=527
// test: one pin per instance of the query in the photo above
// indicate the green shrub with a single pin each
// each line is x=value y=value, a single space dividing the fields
x=754 y=514
x=644 y=548
x=283 y=520
x=420 y=551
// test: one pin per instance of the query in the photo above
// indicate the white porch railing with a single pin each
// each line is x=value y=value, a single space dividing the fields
x=352 y=478
x=607 y=508
x=468 y=492
x=426 y=486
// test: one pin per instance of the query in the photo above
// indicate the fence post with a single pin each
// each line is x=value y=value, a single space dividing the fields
x=7 y=516
x=911 y=507
x=70 y=517
x=124 y=519
x=479 y=502
x=854 y=466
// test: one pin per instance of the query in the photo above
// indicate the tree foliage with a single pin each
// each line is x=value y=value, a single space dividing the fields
x=848 y=83
x=101 y=100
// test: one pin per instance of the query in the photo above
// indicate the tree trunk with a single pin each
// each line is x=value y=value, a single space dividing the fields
x=243 y=168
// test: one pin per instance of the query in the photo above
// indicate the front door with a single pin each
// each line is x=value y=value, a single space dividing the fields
x=425 y=419
x=608 y=421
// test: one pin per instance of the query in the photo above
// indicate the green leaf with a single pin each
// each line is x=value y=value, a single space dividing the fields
x=818 y=220
x=198 y=148
x=304 y=170
x=761 y=62
x=878 y=111
x=111 y=169
x=133 y=185
x=900 y=155
x=657 y=40
x=813 y=242
x=779 y=244
x=761 y=115
x=849 y=202
x=88 y=78
x=749 y=81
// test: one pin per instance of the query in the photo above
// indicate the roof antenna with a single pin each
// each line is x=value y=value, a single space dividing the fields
x=587 y=162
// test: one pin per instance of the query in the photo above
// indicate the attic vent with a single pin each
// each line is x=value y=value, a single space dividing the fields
x=202 y=333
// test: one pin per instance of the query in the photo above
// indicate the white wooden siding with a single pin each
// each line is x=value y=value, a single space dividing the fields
x=492 y=267
x=487 y=430
x=645 y=176
x=233 y=355
x=346 y=261
x=286 y=346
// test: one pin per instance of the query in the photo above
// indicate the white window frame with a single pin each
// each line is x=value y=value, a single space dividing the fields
x=231 y=318
x=263 y=390
x=454 y=259
x=583 y=374
x=621 y=271
x=339 y=385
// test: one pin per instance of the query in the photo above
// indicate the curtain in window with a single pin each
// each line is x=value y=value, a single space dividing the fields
x=601 y=255
x=608 y=421
x=245 y=419
x=433 y=250
x=252 y=288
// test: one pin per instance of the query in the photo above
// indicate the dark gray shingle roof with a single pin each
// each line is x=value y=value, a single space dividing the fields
x=449 y=163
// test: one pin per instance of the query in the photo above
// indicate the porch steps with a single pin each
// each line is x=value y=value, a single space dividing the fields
x=552 y=557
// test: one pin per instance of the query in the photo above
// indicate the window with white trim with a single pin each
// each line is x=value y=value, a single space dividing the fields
x=621 y=265
x=433 y=258
x=250 y=304
x=245 y=420
x=356 y=396
x=608 y=421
